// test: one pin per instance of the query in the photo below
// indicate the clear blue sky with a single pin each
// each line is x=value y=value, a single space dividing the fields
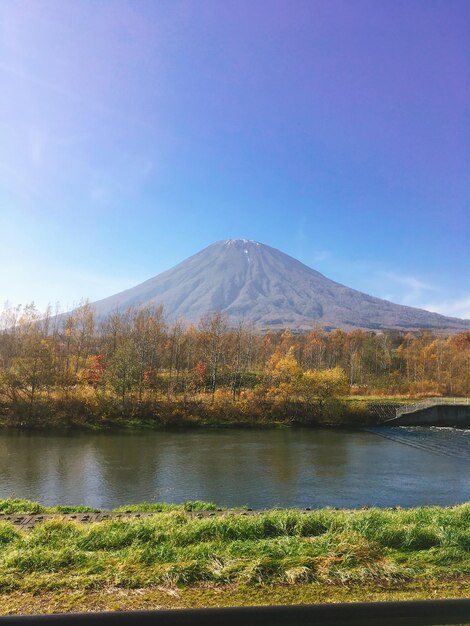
x=134 y=133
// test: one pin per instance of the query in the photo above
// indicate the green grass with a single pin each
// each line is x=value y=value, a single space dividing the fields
x=368 y=548
x=12 y=506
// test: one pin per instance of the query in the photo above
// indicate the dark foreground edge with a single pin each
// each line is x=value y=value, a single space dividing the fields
x=417 y=613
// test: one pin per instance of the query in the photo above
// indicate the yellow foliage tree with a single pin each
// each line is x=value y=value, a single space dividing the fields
x=283 y=369
x=323 y=385
x=283 y=372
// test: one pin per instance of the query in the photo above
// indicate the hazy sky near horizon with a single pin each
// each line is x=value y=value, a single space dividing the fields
x=133 y=133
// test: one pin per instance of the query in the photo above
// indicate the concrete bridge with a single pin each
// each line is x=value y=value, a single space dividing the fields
x=433 y=412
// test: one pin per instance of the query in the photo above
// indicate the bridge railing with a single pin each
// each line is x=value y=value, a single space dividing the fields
x=415 y=612
x=430 y=402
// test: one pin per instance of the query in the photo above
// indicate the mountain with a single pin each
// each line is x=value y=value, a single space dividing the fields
x=262 y=285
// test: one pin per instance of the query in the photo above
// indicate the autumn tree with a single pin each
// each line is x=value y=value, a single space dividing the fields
x=213 y=328
x=148 y=329
x=123 y=371
x=324 y=388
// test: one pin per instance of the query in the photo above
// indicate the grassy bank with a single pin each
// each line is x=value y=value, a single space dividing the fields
x=101 y=412
x=276 y=556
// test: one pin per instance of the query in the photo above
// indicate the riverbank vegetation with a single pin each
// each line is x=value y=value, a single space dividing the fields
x=136 y=369
x=173 y=559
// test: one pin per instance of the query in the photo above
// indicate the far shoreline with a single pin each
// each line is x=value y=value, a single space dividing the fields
x=81 y=415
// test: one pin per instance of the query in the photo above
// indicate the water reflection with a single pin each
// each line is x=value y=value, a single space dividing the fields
x=235 y=467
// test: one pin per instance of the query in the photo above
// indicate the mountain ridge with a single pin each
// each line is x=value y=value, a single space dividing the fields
x=264 y=286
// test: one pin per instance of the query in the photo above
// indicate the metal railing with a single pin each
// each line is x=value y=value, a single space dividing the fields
x=415 y=613
x=383 y=411
x=430 y=402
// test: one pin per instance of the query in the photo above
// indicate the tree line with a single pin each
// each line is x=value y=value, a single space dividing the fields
x=138 y=355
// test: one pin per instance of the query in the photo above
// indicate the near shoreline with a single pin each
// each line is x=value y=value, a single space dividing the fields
x=174 y=560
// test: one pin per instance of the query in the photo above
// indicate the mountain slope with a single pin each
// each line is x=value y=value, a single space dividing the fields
x=262 y=285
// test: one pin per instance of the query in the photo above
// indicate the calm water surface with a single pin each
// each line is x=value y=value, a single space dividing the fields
x=286 y=468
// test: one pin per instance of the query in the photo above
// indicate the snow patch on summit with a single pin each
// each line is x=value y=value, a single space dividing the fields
x=234 y=242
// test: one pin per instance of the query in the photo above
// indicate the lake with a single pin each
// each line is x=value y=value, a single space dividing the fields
x=233 y=467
